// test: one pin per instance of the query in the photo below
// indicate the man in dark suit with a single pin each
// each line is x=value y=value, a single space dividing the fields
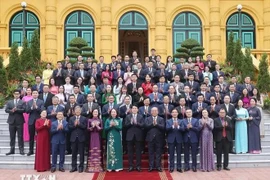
x=140 y=73
x=216 y=74
x=81 y=73
x=233 y=95
x=198 y=106
x=101 y=65
x=173 y=96
x=59 y=128
x=89 y=106
x=174 y=129
x=59 y=74
x=191 y=139
x=69 y=72
x=96 y=96
x=190 y=98
x=125 y=63
x=38 y=85
x=165 y=109
x=132 y=88
x=210 y=63
x=155 y=134
x=163 y=87
x=198 y=76
x=185 y=72
x=156 y=97
x=223 y=138
x=23 y=88
x=46 y=96
x=108 y=107
x=54 y=108
x=238 y=87
x=153 y=55
x=204 y=92
x=15 y=109
x=69 y=112
x=174 y=72
x=76 y=65
x=33 y=108
x=213 y=109
x=117 y=73
x=194 y=86
x=181 y=109
x=65 y=62
x=247 y=85
x=150 y=70
x=217 y=94
x=78 y=97
x=77 y=125
x=231 y=114
x=134 y=136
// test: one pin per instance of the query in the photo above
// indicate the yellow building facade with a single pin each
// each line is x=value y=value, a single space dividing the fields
x=161 y=24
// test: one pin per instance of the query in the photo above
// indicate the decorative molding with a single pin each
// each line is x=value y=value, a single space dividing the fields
x=3 y=25
x=161 y=51
x=160 y=23
x=266 y=38
x=160 y=37
x=51 y=8
x=160 y=9
x=50 y=22
x=97 y=26
x=106 y=9
x=108 y=23
x=261 y=27
x=50 y=51
x=215 y=51
x=168 y=27
x=59 y=26
x=50 y=37
x=106 y=51
x=106 y=37
x=266 y=10
x=214 y=23
x=152 y=27
x=114 y=27
x=215 y=38
x=214 y=9
x=206 y=27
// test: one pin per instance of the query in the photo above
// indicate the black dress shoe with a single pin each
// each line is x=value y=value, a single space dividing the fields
x=30 y=153
x=62 y=169
x=130 y=169
x=139 y=169
x=67 y=152
x=159 y=169
x=150 y=169
x=80 y=170
x=219 y=168
x=171 y=170
x=21 y=152
x=53 y=170
x=180 y=170
x=226 y=168
x=73 y=170
x=186 y=169
x=10 y=152
x=194 y=169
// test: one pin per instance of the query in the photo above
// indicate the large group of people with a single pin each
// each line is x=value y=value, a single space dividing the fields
x=109 y=109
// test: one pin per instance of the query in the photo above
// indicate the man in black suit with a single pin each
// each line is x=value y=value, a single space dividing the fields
x=154 y=137
x=231 y=114
x=80 y=100
x=34 y=108
x=15 y=108
x=223 y=138
x=132 y=87
x=213 y=109
x=210 y=63
x=194 y=86
x=69 y=112
x=96 y=96
x=185 y=72
x=247 y=85
x=153 y=56
x=69 y=72
x=77 y=126
x=46 y=96
x=165 y=109
x=59 y=74
x=134 y=137
x=181 y=109
x=233 y=94
x=89 y=106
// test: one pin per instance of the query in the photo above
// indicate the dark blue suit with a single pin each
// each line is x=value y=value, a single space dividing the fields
x=77 y=139
x=195 y=86
x=155 y=103
x=40 y=89
x=34 y=114
x=215 y=76
x=197 y=114
x=51 y=116
x=58 y=140
x=191 y=139
x=175 y=140
x=163 y=88
x=115 y=75
x=80 y=100
x=143 y=112
x=161 y=111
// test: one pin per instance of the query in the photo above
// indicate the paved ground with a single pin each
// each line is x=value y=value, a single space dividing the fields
x=234 y=174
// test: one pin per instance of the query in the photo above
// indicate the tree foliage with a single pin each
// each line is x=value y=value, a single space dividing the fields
x=35 y=46
x=247 y=68
x=263 y=77
x=26 y=56
x=230 y=49
x=238 y=57
x=14 y=65
x=3 y=75
x=189 y=47
x=78 y=46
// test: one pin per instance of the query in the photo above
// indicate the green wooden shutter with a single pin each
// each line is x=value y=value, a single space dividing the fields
x=179 y=37
x=70 y=36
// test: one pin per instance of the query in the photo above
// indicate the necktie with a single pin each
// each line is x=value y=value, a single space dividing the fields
x=224 y=134
x=90 y=107
x=146 y=109
x=45 y=97
x=183 y=111
x=189 y=120
x=111 y=106
x=150 y=70
x=119 y=73
x=82 y=73
x=155 y=96
x=16 y=102
x=54 y=108
x=155 y=120
x=191 y=83
x=231 y=95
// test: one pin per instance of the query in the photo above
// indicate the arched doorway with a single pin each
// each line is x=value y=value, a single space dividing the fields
x=247 y=26
x=133 y=34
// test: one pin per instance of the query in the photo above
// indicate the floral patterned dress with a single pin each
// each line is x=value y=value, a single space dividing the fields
x=114 y=145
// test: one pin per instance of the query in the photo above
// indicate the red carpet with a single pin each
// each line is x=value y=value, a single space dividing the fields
x=124 y=175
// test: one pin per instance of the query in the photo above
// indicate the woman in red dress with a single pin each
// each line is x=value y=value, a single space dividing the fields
x=107 y=73
x=42 y=159
x=147 y=85
x=199 y=63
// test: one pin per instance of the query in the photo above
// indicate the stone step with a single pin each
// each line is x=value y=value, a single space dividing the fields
x=4 y=143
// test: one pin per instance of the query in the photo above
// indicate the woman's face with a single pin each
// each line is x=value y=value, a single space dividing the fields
x=147 y=78
x=79 y=80
x=67 y=80
x=61 y=89
x=120 y=80
x=252 y=102
x=206 y=69
x=140 y=90
x=95 y=113
x=43 y=114
x=240 y=103
x=169 y=59
x=113 y=113
x=48 y=66
x=255 y=91
x=109 y=88
x=128 y=69
x=198 y=59
x=28 y=91
x=189 y=59
x=92 y=80
x=245 y=92
x=107 y=67
x=205 y=113
x=124 y=90
x=52 y=82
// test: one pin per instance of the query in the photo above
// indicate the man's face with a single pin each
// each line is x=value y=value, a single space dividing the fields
x=60 y=115
x=222 y=113
x=38 y=79
x=189 y=113
x=213 y=100
x=76 y=90
x=55 y=101
x=16 y=95
x=45 y=89
x=111 y=99
x=191 y=77
x=134 y=110
x=90 y=98
x=226 y=100
x=35 y=94
x=127 y=100
x=72 y=99
x=155 y=88
x=182 y=102
x=59 y=65
x=146 y=102
x=80 y=58
x=25 y=83
x=154 y=111
x=166 y=100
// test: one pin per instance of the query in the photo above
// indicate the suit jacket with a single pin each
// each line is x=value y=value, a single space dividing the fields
x=198 y=76
x=183 y=74
x=134 y=130
x=171 y=76
x=206 y=95
x=163 y=89
x=180 y=114
x=158 y=101
x=211 y=64
x=195 y=87
x=141 y=76
x=105 y=109
x=235 y=97
x=77 y=131
x=231 y=113
x=101 y=66
x=192 y=133
x=220 y=98
x=80 y=99
x=59 y=80
x=123 y=111
x=174 y=133
x=15 y=118
x=152 y=74
x=48 y=101
x=174 y=99
x=215 y=76
x=190 y=100
x=59 y=136
x=34 y=114
x=218 y=129
x=197 y=114
x=115 y=75
x=78 y=74
x=161 y=111
x=40 y=89
x=69 y=111
x=156 y=131
x=213 y=113
x=124 y=65
x=85 y=109
x=130 y=88
x=249 y=88
x=51 y=116
x=143 y=112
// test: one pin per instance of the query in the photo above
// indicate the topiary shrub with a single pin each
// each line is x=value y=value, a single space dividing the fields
x=78 y=46
x=189 y=48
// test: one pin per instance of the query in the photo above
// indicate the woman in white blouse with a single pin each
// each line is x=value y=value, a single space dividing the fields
x=127 y=75
x=62 y=96
x=207 y=73
x=120 y=97
x=118 y=86
x=68 y=87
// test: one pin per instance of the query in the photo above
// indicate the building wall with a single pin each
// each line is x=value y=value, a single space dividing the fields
x=159 y=14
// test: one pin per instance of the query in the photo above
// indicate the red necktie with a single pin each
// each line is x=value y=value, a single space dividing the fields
x=224 y=134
